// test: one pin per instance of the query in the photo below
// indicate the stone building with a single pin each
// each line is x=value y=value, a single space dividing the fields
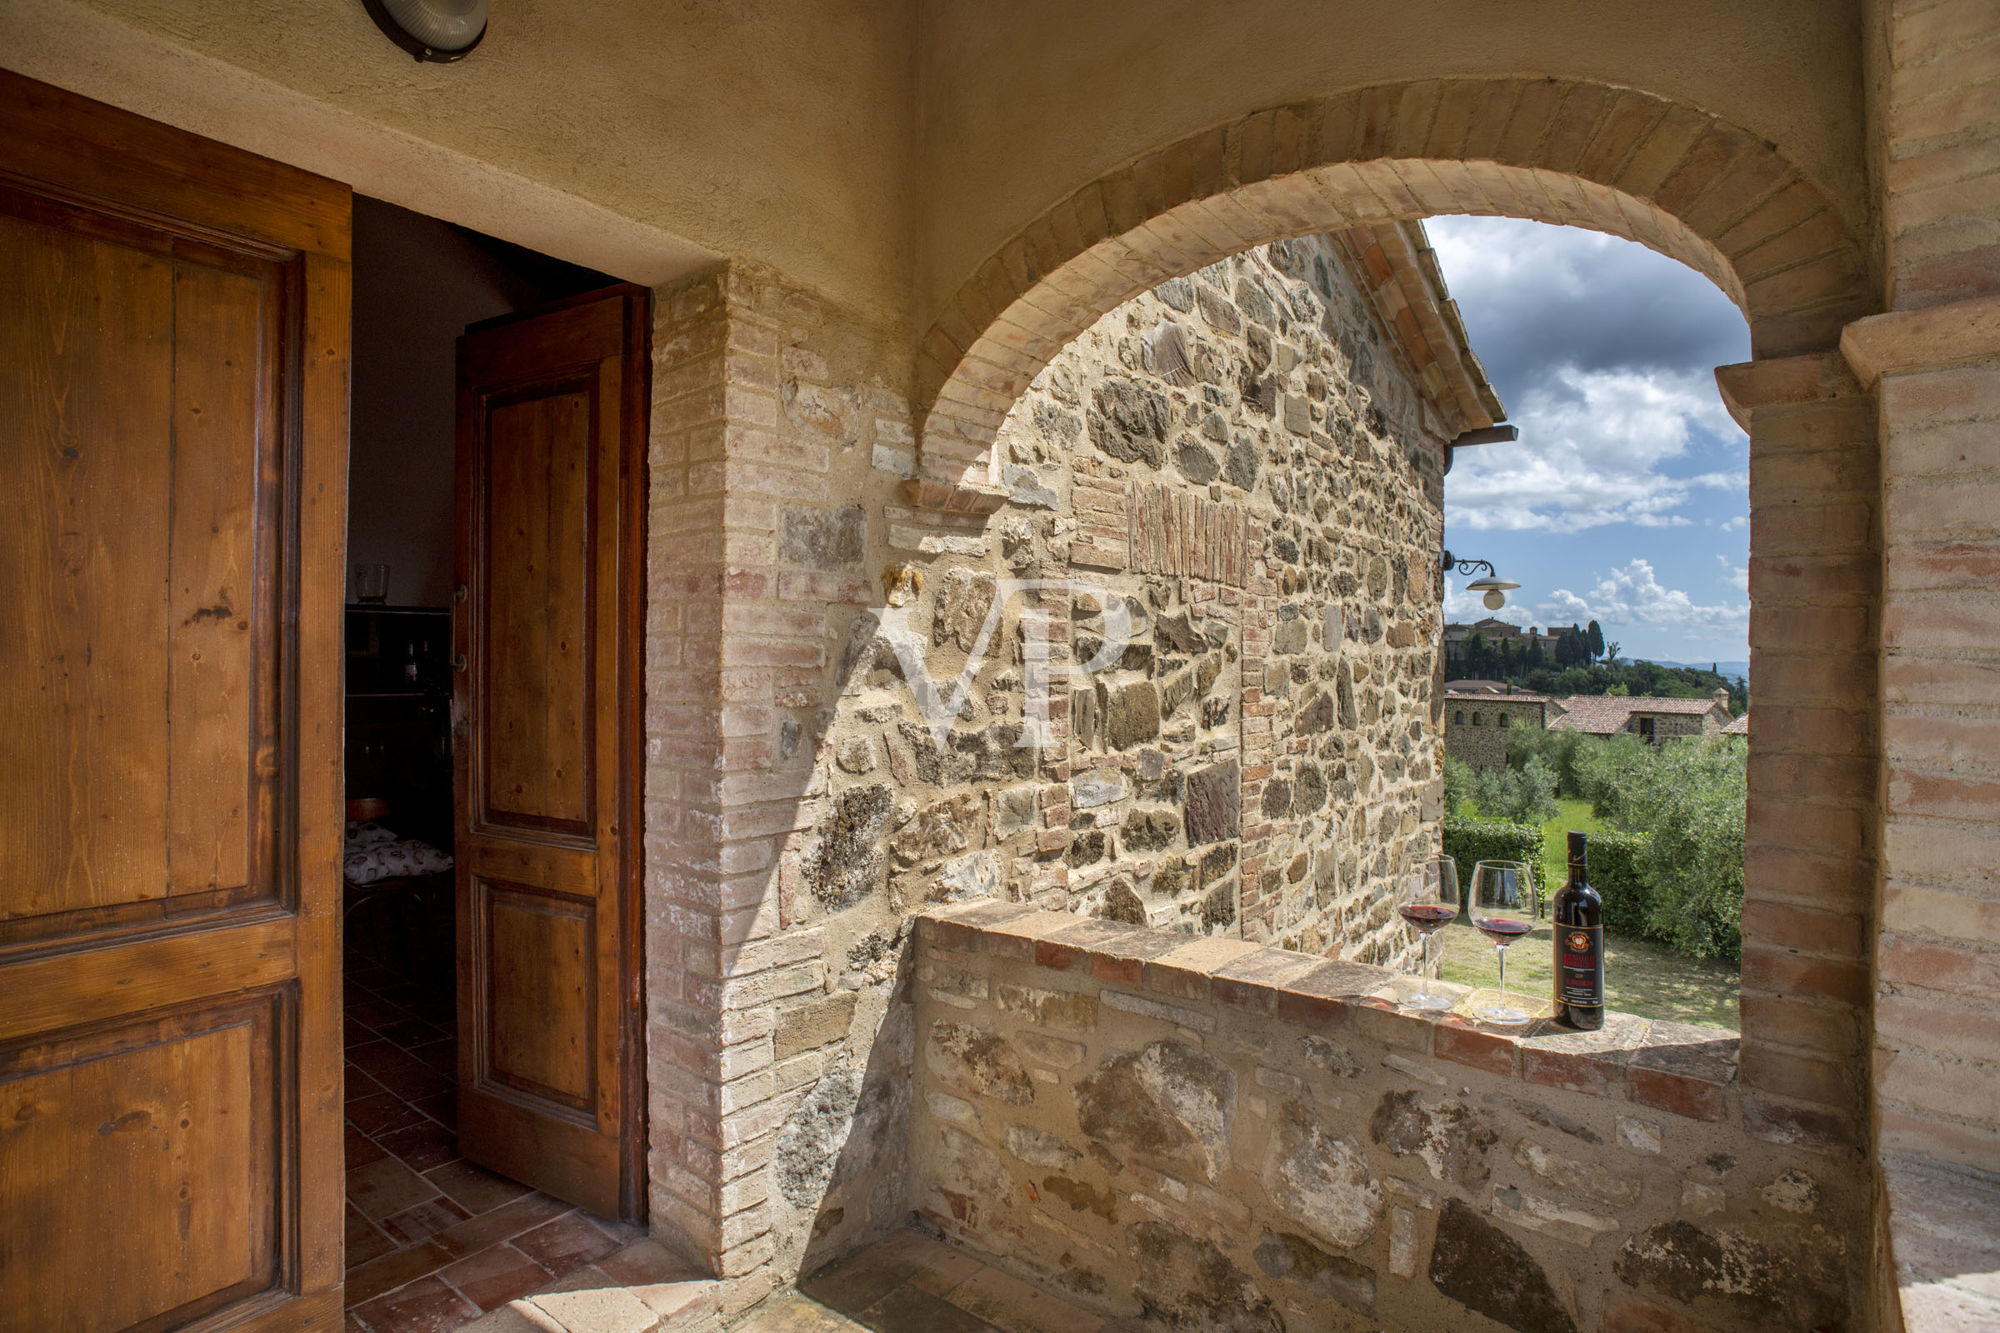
x=1476 y=724
x=859 y=234
x=1642 y=715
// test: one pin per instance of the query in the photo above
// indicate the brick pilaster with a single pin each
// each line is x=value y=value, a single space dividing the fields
x=1812 y=837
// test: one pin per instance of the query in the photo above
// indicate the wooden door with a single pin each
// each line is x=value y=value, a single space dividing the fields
x=551 y=489
x=173 y=438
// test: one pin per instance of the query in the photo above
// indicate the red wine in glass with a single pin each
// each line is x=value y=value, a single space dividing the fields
x=1503 y=908
x=1500 y=930
x=1427 y=917
x=1429 y=901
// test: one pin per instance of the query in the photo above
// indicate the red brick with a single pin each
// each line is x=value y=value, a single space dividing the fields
x=1460 y=1043
x=1789 y=926
x=1798 y=1077
x=1057 y=956
x=1676 y=1093
x=1783 y=973
x=1567 y=1070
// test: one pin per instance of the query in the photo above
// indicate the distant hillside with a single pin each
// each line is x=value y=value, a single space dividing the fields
x=1732 y=670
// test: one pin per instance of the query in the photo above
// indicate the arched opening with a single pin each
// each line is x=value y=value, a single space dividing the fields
x=1615 y=160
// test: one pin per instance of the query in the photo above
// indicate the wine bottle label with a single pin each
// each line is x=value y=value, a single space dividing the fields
x=1580 y=965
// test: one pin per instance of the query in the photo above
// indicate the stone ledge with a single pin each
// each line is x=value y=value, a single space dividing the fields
x=1673 y=1067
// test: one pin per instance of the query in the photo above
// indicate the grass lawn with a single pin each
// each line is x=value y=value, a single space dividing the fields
x=1640 y=977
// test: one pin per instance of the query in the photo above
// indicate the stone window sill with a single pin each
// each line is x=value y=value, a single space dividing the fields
x=1673 y=1067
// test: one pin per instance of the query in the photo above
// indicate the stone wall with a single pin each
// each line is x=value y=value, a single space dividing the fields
x=1238 y=462
x=1473 y=732
x=1218 y=1135
x=1259 y=758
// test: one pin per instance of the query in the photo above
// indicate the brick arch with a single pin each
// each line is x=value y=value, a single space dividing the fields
x=1662 y=173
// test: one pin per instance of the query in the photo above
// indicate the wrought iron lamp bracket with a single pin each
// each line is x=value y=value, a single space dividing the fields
x=1466 y=566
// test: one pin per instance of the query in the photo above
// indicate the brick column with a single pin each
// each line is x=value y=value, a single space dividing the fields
x=743 y=575
x=1937 y=958
x=1810 y=844
x=1935 y=362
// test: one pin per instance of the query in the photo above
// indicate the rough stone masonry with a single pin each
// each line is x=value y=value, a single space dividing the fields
x=1234 y=483
x=1212 y=1135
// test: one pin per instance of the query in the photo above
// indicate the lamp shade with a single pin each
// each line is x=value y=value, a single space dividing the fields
x=1495 y=589
x=439 y=30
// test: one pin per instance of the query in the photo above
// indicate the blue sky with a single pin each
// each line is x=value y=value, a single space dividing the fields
x=1626 y=499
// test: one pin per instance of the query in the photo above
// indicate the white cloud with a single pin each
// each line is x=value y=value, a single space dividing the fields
x=1737 y=576
x=1592 y=449
x=1634 y=598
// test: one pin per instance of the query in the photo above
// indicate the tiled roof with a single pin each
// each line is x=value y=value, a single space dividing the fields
x=1740 y=727
x=1602 y=714
x=1495 y=697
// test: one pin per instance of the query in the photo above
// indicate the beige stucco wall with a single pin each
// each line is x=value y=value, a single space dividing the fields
x=877 y=151
x=1023 y=103
x=644 y=139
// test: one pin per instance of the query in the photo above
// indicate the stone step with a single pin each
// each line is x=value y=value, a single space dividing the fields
x=1944 y=1226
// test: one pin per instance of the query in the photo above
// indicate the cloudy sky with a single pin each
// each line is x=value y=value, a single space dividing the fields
x=1626 y=499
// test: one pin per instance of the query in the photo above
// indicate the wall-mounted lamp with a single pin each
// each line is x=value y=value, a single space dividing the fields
x=436 y=30
x=1496 y=589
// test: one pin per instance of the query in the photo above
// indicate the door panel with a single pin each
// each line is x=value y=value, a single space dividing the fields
x=106 y=1131
x=537 y=585
x=173 y=350
x=551 y=481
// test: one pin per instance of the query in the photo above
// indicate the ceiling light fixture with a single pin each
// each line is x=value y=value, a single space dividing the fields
x=435 y=30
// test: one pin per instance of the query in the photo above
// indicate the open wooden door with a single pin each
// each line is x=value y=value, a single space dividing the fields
x=551 y=504
x=173 y=443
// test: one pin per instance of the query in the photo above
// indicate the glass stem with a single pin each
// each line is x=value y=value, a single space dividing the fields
x=1503 y=969
x=1425 y=970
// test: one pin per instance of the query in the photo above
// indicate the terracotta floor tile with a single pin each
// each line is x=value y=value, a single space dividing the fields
x=381 y=1188
x=503 y=1223
x=495 y=1276
x=426 y=1306
x=911 y=1310
x=441 y=1056
x=393 y=1270
x=414 y=1081
x=1016 y=1306
x=359 y=1083
x=410 y=1033
x=474 y=1188
x=440 y=1106
x=360 y=1149
x=365 y=1241
x=421 y=1146
x=381 y=1113
x=797 y=1314
x=858 y=1281
x=566 y=1244
x=371 y=1012
x=422 y=1221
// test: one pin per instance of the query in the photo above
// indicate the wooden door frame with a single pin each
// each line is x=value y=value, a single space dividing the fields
x=635 y=420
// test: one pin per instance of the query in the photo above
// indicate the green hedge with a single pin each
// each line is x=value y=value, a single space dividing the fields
x=1468 y=841
x=1617 y=872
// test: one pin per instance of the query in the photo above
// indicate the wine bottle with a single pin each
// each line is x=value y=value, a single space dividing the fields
x=1578 y=920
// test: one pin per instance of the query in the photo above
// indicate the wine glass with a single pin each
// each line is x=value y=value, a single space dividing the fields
x=1429 y=900
x=1503 y=907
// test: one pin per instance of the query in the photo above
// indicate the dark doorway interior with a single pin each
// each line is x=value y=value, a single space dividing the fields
x=432 y=1240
